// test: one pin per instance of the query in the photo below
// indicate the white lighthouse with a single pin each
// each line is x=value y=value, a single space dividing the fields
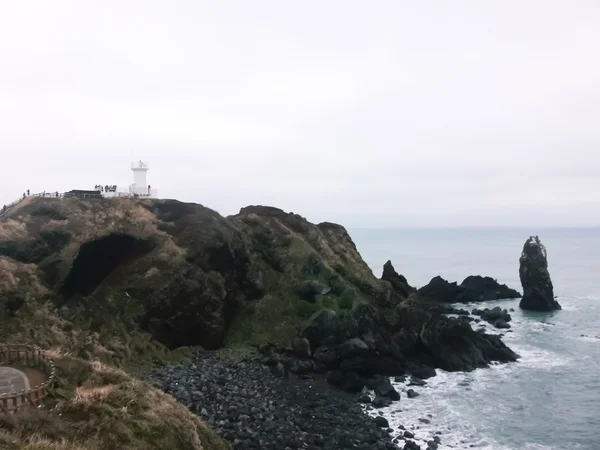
x=140 y=187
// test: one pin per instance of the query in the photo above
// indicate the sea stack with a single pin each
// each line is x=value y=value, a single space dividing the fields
x=538 y=292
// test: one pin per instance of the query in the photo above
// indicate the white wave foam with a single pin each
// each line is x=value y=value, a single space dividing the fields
x=436 y=405
x=535 y=357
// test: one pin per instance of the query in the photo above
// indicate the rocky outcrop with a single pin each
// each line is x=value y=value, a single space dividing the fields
x=398 y=282
x=188 y=276
x=179 y=271
x=472 y=289
x=479 y=289
x=496 y=316
x=440 y=290
x=413 y=337
x=538 y=292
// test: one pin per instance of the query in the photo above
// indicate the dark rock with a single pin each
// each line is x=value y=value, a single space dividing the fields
x=381 y=422
x=301 y=347
x=320 y=326
x=496 y=316
x=472 y=289
x=336 y=377
x=302 y=367
x=422 y=371
x=411 y=445
x=412 y=394
x=252 y=409
x=432 y=445
x=538 y=291
x=440 y=290
x=399 y=282
x=364 y=398
x=382 y=386
x=371 y=364
x=415 y=381
x=423 y=420
x=477 y=289
x=309 y=290
x=381 y=402
x=279 y=370
x=326 y=355
x=400 y=379
x=500 y=323
x=409 y=435
x=352 y=347
x=353 y=382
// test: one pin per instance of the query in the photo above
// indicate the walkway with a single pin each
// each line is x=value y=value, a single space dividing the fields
x=12 y=380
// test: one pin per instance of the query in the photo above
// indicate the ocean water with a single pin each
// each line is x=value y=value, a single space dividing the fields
x=550 y=398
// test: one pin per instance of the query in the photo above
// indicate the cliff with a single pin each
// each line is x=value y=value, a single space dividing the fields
x=124 y=281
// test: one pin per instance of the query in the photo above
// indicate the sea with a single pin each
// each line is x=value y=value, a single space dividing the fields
x=550 y=398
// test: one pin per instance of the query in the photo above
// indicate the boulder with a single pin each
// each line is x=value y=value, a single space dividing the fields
x=381 y=422
x=326 y=355
x=500 y=323
x=352 y=347
x=381 y=402
x=301 y=347
x=353 y=382
x=411 y=393
x=383 y=387
x=320 y=326
x=538 y=292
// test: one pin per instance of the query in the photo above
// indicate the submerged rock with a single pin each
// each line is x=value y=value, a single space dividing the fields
x=538 y=292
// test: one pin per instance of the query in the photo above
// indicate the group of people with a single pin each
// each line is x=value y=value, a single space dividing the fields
x=107 y=188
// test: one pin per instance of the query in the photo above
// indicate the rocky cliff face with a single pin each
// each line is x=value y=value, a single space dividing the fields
x=188 y=276
x=538 y=292
x=179 y=271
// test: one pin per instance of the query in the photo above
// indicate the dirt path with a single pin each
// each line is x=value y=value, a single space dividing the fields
x=35 y=376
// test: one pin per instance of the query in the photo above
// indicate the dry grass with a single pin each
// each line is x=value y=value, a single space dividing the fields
x=125 y=414
x=13 y=230
x=19 y=276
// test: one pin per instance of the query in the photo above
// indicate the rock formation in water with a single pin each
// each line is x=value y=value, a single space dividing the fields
x=472 y=289
x=538 y=292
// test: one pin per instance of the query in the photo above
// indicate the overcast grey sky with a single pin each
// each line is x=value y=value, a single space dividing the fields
x=381 y=113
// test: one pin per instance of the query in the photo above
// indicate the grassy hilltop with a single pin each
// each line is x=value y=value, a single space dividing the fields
x=110 y=286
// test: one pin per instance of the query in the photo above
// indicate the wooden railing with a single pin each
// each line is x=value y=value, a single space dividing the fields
x=26 y=356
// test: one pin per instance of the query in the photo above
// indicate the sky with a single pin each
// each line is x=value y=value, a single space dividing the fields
x=370 y=114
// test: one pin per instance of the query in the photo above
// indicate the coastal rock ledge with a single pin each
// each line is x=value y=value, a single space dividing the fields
x=538 y=292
